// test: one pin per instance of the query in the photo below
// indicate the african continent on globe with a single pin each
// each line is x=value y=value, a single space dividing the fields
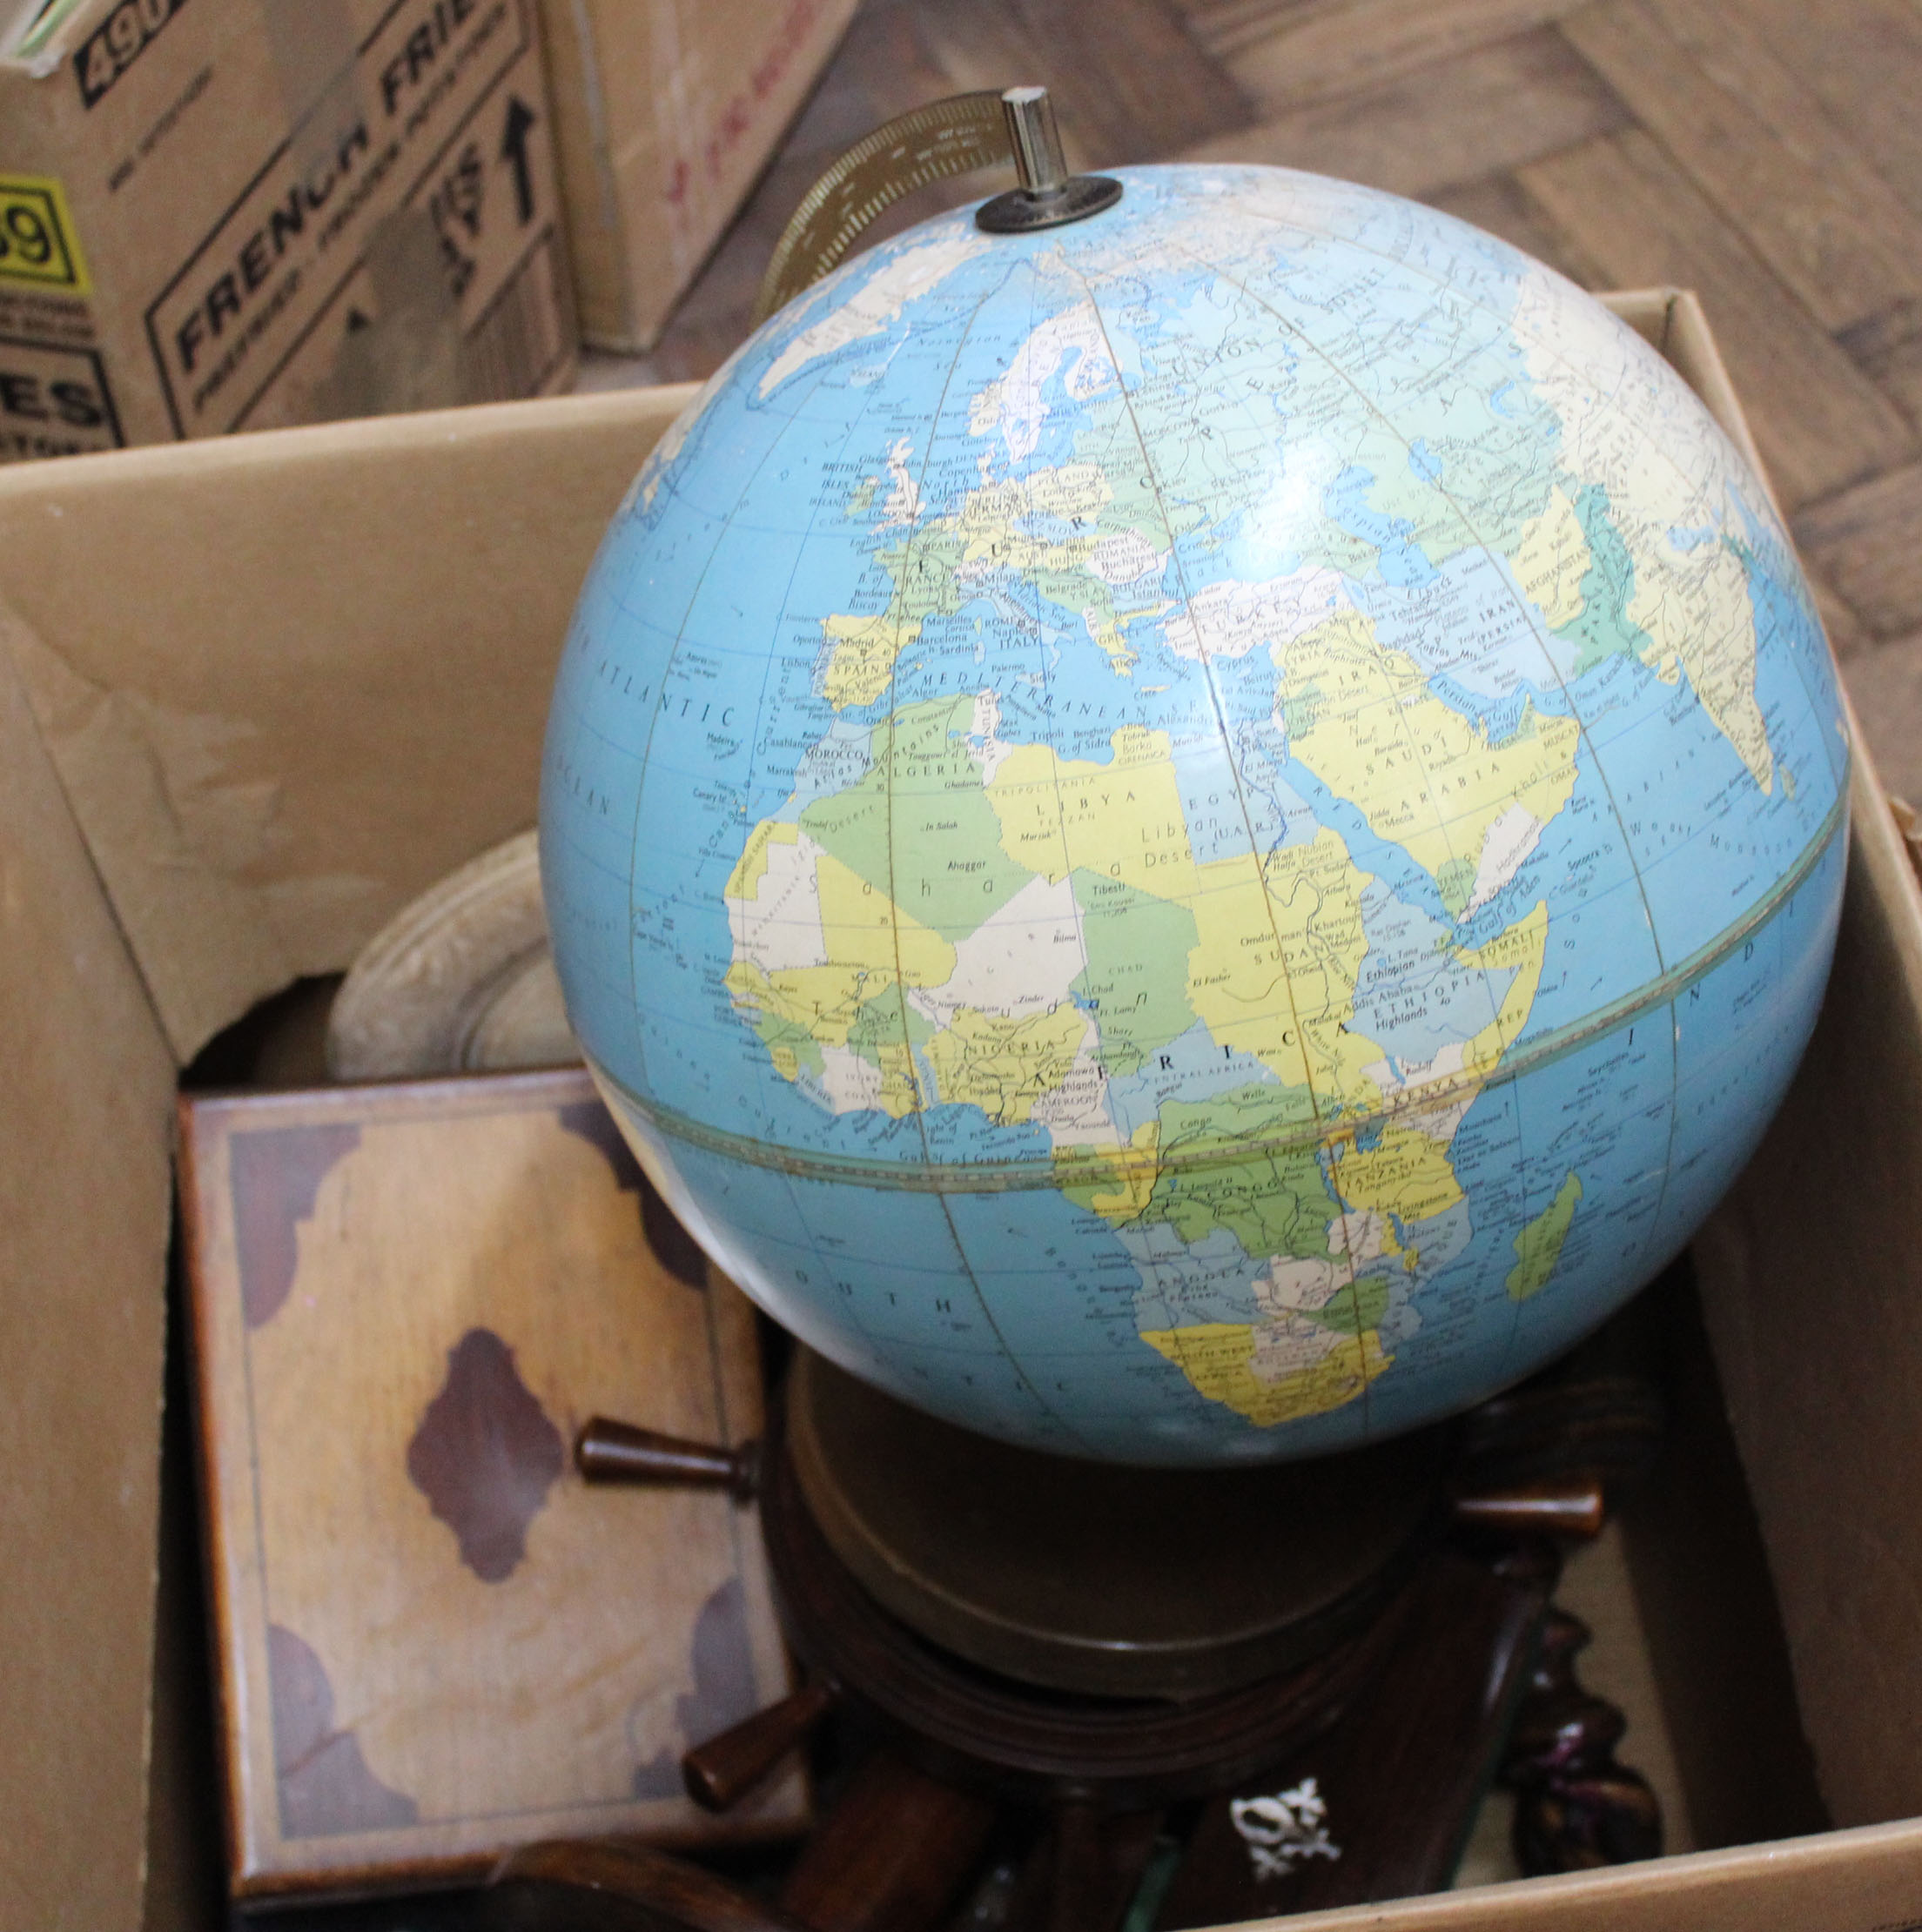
x=1197 y=836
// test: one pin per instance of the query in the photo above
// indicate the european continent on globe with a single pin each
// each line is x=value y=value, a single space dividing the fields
x=1199 y=836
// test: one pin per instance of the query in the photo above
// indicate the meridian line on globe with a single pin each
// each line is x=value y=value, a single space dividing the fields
x=767 y=680
x=900 y=980
x=762 y=1070
x=1214 y=696
x=654 y=719
x=1674 y=1110
x=1476 y=537
x=1456 y=291
x=1393 y=705
x=1308 y=1383
x=1705 y=688
x=964 y=1178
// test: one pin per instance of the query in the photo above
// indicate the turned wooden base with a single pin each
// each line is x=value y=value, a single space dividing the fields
x=1095 y=1578
x=1350 y=1774
x=1020 y=1740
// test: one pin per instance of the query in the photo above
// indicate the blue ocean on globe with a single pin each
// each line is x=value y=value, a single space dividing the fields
x=1198 y=836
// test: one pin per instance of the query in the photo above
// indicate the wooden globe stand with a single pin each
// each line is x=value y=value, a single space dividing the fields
x=1079 y=1577
x=1312 y=1670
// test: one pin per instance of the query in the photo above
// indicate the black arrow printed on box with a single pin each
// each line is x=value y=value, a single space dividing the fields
x=514 y=148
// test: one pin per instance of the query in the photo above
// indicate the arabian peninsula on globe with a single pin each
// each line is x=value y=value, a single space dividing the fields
x=1199 y=836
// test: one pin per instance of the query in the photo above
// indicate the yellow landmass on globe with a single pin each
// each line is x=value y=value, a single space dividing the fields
x=871 y=947
x=1361 y=717
x=944 y=560
x=861 y=666
x=1220 y=1359
x=1691 y=596
x=1123 y=819
x=866 y=932
x=900 y=1093
x=1105 y=630
x=822 y=1002
x=1405 y=1173
x=994 y=527
x=806 y=1013
x=1408 y=1171
x=992 y=518
x=1281 y=942
x=1131 y=1174
x=1399 y=1172
x=1522 y=946
x=1538 y=1247
x=1694 y=605
x=1280 y=939
x=744 y=882
x=1003 y=1064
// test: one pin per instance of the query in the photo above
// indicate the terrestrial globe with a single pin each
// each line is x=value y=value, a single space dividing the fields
x=1198 y=836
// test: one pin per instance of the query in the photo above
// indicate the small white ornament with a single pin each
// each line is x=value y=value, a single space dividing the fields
x=1281 y=1831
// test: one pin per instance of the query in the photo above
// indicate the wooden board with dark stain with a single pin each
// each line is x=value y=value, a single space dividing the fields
x=436 y=1641
x=1868 y=542
x=1312 y=49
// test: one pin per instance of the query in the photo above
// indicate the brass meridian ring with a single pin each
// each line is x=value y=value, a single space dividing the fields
x=947 y=137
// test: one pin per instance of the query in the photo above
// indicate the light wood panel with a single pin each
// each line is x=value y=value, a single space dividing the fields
x=434 y=1641
x=1887 y=348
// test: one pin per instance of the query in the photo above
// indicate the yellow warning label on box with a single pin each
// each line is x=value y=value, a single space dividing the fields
x=38 y=244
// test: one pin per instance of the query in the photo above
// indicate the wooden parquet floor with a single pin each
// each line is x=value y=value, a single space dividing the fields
x=1767 y=153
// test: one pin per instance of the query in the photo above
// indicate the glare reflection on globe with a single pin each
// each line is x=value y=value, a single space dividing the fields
x=1198 y=836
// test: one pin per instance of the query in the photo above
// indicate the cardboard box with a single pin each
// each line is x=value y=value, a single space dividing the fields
x=213 y=779
x=665 y=115
x=248 y=213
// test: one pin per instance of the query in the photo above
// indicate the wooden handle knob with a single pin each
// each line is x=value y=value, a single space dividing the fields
x=609 y=1451
x=722 y=1772
x=892 y=1855
x=1574 y=1508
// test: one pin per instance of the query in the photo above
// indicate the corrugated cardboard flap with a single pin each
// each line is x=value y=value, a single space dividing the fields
x=1843 y=1882
x=281 y=698
x=84 y=1207
x=1809 y=1275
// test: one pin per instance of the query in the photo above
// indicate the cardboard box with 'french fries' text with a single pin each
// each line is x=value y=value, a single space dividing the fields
x=219 y=215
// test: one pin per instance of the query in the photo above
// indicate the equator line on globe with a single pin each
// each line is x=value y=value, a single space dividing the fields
x=1199 y=834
